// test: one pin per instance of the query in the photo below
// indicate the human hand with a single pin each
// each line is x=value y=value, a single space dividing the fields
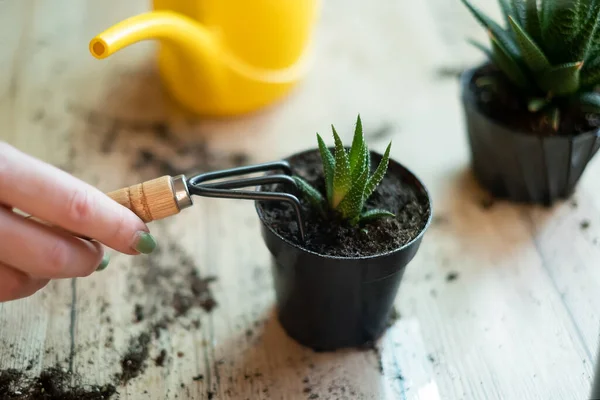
x=32 y=253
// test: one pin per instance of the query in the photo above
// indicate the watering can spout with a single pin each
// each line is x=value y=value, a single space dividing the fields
x=208 y=68
x=193 y=41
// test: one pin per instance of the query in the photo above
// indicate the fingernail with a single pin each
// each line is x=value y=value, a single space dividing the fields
x=145 y=243
x=104 y=262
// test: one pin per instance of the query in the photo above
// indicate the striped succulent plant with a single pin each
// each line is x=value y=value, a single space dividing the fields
x=348 y=183
x=551 y=52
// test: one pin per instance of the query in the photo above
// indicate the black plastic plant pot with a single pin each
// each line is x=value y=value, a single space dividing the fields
x=595 y=389
x=326 y=302
x=521 y=166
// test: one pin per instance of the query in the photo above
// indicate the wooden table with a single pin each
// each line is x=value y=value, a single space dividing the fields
x=520 y=321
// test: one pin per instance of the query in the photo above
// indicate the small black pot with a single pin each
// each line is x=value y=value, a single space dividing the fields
x=327 y=302
x=595 y=394
x=520 y=166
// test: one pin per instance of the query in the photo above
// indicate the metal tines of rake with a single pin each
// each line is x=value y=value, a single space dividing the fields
x=200 y=185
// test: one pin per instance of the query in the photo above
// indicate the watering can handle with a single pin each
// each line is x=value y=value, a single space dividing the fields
x=155 y=199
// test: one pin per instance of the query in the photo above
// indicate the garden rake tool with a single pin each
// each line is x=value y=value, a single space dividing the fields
x=168 y=195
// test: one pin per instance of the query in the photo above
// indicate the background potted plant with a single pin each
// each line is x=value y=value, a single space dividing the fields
x=532 y=112
x=364 y=224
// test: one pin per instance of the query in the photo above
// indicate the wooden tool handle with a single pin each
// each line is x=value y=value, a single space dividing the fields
x=151 y=200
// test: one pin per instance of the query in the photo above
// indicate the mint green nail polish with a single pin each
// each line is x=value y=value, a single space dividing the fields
x=145 y=243
x=104 y=262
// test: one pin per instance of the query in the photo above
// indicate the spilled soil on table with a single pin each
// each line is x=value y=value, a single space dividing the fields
x=162 y=151
x=168 y=287
x=165 y=289
x=133 y=362
x=52 y=384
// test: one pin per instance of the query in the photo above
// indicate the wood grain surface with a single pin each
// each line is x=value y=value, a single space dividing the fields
x=501 y=302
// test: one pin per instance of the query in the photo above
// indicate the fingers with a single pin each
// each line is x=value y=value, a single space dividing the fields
x=61 y=199
x=42 y=252
x=14 y=284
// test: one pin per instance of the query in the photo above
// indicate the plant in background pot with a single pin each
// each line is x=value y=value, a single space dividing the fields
x=533 y=112
x=365 y=218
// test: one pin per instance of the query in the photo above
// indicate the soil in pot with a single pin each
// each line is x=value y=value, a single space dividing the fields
x=506 y=105
x=328 y=235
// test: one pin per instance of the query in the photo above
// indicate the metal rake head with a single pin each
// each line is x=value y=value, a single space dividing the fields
x=229 y=189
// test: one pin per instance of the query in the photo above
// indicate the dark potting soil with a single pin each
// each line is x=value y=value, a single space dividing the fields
x=505 y=104
x=394 y=316
x=139 y=313
x=172 y=285
x=330 y=236
x=160 y=360
x=372 y=346
x=52 y=384
x=133 y=362
x=452 y=276
x=584 y=224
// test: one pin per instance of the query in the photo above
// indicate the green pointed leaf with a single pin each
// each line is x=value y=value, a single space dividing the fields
x=590 y=34
x=494 y=29
x=531 y=24
x=536 y=104
x=519 y=11
x=487 y=81
x=531 y=53
x=311 y=194
x=584 y=8
x=372 y=215
x=507 y=9
x=361 y=164
x=328 y=167
x=560 y=23
x=560 y=80
x=555 y=118
x=508 y=65
x=545 y=12
x=562 y=17
x=589 y=102
x=351 y=206
x=379 y=173
x=586 y=40
x=342 y=178
x=358 y=144
x=590 y=73
x=482 y=48
x=514 y=9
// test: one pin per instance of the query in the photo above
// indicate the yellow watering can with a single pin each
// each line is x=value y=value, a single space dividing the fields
x=222 y=57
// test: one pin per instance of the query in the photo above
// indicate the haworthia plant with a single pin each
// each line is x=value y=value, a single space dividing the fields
x=348 y=182
x=550 y=49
